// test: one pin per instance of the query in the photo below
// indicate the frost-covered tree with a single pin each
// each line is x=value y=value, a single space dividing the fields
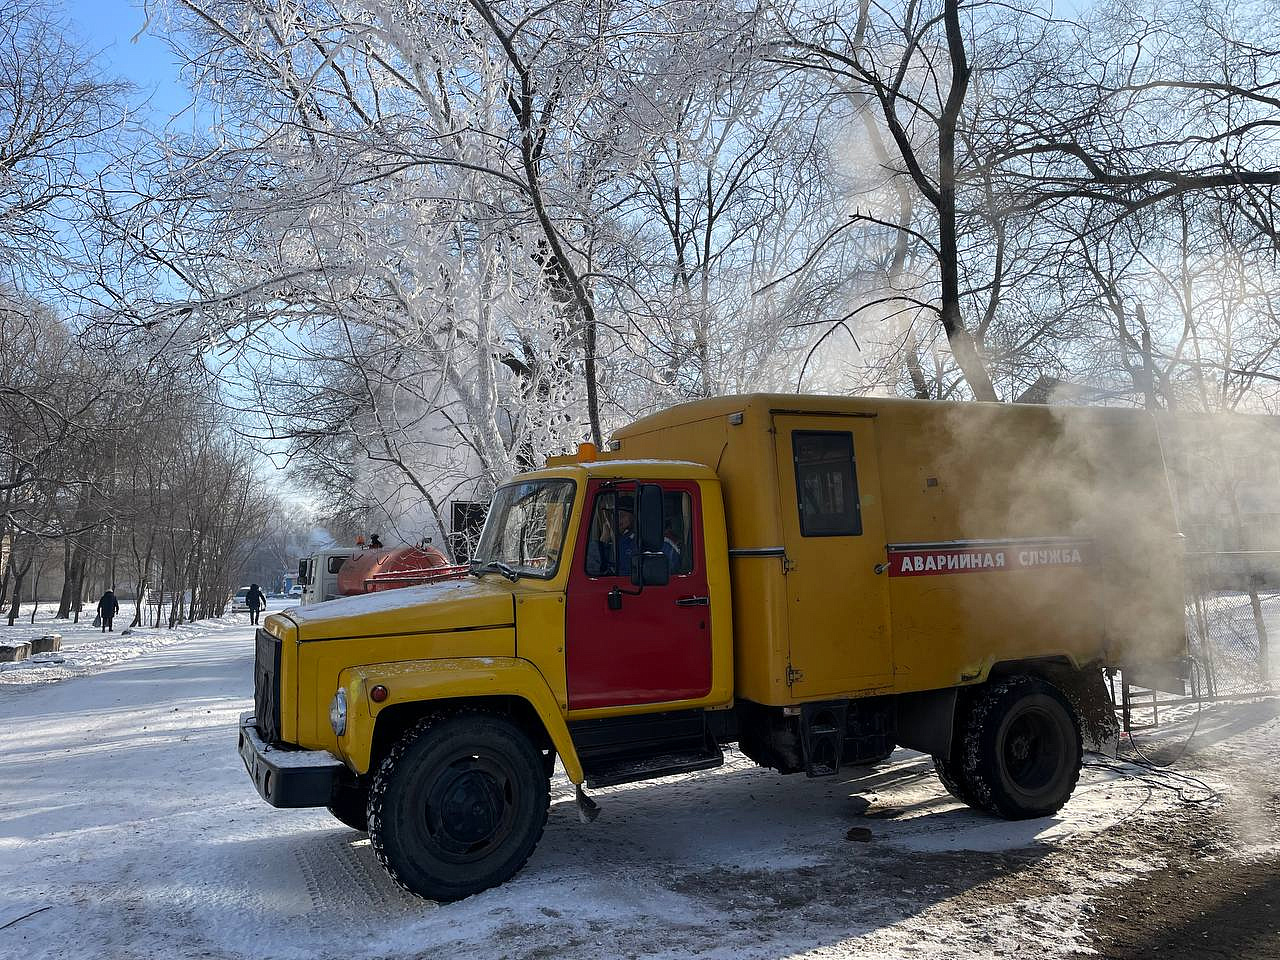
x=58 y=114
x=995 y=124
x=428 y=242
x=426 y=228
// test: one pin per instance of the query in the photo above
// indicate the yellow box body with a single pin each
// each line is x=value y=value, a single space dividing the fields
x=934 y=473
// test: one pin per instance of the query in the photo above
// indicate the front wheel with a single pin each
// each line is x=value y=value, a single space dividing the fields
x=458 y=805
x=1022 y=749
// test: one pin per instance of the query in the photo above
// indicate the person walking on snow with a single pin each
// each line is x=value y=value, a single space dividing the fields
x=255 y=601
x=108 y=607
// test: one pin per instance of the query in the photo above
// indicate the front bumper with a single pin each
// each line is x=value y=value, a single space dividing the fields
x=284 y=777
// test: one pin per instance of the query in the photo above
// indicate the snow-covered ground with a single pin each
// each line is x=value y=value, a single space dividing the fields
x=87 y=649
x=128 y=828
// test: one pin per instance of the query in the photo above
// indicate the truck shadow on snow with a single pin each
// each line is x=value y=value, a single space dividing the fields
x=1214 y=724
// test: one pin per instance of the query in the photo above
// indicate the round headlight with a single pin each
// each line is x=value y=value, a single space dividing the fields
x=338 y=712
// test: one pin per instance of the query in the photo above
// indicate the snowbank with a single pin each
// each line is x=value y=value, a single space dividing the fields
x=87 y=650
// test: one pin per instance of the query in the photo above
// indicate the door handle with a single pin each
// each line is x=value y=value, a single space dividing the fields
x=694 y=602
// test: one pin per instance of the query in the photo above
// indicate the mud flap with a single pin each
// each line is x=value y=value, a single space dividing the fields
x=1167 y=676
x=926 y=720
x=1086 y=690
x=588 y=809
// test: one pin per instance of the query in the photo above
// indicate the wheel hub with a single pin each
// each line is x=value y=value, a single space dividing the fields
x=470 y=807
x=1021 y=748
x=1029 y=758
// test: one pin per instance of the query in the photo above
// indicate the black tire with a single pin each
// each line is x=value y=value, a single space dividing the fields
x=950 y=769
x=350 y=806
x=951 y=773
x=1022 y=749
x=458 y=805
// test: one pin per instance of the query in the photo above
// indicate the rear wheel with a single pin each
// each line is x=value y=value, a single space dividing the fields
x=950 y=768
x=951 y=773
x=1021 y=749
x=458 y=805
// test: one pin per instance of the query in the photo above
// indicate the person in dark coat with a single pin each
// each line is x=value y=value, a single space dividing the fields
x=108 y=607
x=255 y=601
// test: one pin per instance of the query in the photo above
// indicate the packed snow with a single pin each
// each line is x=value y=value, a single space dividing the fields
x=87 y=649
x=129 y=829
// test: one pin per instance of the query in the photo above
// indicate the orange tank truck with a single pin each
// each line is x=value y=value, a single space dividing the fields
x=370 y=571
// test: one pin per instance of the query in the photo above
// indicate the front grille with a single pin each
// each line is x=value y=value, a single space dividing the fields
x=266 y=686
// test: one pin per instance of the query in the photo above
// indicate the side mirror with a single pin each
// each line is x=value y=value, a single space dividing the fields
x=649 y=566
x=302 y=572
x=650 y=570
x=649 y=517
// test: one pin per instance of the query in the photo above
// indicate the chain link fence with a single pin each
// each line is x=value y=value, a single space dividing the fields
x=1234 y=635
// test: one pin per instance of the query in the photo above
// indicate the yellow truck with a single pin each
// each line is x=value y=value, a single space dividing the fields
x=815 y=579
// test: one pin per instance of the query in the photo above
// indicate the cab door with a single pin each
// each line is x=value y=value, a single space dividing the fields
x=833 y=534
x=627 y=645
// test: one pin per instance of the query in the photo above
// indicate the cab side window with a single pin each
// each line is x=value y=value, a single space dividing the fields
x=826 y=484
x=611 y=537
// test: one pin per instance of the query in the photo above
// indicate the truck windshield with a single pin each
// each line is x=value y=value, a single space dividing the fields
x=526 y=528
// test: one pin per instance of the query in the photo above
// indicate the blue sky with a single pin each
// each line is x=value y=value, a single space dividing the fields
x=109 y=26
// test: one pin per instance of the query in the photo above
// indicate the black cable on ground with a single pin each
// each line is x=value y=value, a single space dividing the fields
x=1162 y=778
x=1182 y=782
x=1197 y=696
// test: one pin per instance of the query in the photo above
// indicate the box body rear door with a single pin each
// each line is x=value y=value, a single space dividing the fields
x=834 y=537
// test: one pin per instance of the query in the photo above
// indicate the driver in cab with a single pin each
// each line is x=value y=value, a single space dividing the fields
x=603 y=560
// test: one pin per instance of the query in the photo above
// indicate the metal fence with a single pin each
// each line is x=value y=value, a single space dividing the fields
x=1234 y=634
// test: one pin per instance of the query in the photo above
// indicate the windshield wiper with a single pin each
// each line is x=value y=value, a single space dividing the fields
x=489 y=566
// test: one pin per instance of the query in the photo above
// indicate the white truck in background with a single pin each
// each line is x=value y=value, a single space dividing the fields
x=318 y=574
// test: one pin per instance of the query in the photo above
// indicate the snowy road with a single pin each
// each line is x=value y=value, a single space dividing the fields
x=127 y=821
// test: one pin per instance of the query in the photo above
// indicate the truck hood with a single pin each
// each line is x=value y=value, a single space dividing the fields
x=470 y=604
